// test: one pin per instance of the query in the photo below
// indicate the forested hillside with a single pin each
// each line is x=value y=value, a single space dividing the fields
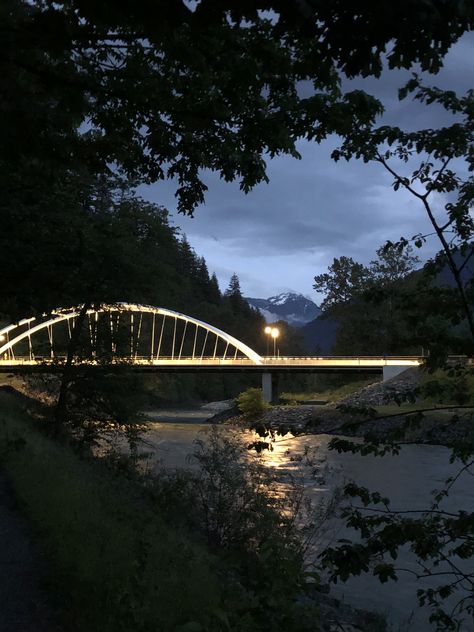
x=392 y=306
x=106 y=244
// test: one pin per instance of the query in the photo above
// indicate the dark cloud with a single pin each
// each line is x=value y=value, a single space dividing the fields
x=280 y=235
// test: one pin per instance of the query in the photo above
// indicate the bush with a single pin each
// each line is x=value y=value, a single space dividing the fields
x=251 y=403
x=116 y=565
x=454 y=386
x=258 y=527
x=217 y=548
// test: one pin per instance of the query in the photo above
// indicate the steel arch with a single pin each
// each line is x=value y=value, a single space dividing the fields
x=61 y=315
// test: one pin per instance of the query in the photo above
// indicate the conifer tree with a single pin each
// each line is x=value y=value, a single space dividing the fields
x=234 y=294
x=234 y=287
x=214 y=291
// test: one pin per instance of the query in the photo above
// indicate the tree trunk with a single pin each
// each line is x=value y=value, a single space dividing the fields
x=453 y=267
x=67 y=375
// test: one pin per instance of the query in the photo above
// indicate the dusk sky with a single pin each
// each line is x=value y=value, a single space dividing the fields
x=281 y=234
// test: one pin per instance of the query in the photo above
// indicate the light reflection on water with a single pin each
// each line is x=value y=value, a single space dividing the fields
x=406 y=479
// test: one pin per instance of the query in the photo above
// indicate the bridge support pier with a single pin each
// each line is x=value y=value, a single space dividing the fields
x=393 y=370
x=270 y=387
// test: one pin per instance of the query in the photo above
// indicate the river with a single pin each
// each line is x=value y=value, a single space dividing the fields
x=407 y=479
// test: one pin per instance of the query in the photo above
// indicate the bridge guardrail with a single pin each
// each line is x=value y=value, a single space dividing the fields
x=287 y=361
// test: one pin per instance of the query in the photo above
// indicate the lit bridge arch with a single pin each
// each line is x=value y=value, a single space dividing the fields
x=157 y=339
x=121 y=333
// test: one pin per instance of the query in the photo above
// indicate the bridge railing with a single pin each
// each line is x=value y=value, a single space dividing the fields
x=287 y=361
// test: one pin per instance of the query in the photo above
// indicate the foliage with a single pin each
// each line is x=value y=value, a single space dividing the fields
x=115 y=246
x=120 y=85
x=251 y=403
x=115 y=564
x=344 y=280
x=440 y=163
x=441 y=541
x=234 y=493
x=455 y=385
x=371 y=303
x=393 y=264
x=261 y=527
x=234 y=288
x=102 y=408
x=219 y=547
x=439 y=537
x=347 y=280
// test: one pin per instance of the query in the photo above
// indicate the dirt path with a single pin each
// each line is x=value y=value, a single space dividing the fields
x=23 y=604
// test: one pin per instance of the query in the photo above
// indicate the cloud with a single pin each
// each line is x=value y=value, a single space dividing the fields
x=283 y=233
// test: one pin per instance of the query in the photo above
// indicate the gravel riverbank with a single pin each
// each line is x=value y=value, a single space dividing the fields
x=441 y=426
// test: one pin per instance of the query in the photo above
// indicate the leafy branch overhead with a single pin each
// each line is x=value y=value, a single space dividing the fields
x=164 y=90
x=434 y=166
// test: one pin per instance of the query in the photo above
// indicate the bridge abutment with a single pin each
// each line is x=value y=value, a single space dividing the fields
x=271 y=387
x=393 y=370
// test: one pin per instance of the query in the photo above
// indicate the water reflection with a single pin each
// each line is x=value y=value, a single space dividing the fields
x=406 y=479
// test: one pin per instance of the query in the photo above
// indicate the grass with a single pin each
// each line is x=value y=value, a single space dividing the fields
x=393 y=409
x=333 y=394
x=116 y=565
x=438 y=390
x=124 y=557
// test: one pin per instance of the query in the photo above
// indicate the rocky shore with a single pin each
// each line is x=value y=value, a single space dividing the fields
x=441 y=426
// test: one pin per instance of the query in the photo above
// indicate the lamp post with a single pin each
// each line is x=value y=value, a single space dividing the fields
x=274 y=333
x=268 y=331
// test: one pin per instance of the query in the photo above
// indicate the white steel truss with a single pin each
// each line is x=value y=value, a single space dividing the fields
x=9 y=337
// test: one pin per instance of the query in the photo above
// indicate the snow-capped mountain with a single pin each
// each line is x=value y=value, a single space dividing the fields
x=295 y=309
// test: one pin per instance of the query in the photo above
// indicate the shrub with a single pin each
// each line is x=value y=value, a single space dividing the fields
x=454 y=386
x=251 y=403
x=217 y=548
x=117 y=566
x=258 y=525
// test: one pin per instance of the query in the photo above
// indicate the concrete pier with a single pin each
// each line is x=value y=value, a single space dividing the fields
x=270 y=387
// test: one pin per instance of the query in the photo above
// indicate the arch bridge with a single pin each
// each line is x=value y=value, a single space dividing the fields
x=151 y=338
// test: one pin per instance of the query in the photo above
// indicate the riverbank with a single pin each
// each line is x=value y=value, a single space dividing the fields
x=371 y=412
x=445 y=426
x=24 y=603
x=358 y=590
x=127 y=554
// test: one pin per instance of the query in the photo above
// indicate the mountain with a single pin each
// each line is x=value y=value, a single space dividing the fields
x=295 y=309
x=319 y=335
x=464 y=261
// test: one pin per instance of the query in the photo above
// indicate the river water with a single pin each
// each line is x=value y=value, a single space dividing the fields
x=407 y=479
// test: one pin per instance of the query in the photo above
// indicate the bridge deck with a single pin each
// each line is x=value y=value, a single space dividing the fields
x=368 y=364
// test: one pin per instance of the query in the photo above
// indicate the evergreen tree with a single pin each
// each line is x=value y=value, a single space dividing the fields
x=234 y=287
x=202 y=275
x=214 y=291
x=188 y=261
x=234 y=294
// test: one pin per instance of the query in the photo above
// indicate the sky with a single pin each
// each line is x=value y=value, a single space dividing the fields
x=282 y=234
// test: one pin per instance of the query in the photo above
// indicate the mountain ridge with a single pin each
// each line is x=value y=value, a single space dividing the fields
x=294 y=308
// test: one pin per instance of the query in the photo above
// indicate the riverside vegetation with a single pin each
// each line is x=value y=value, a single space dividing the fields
x=212 y=549
x=99 y=99
x=439 y=409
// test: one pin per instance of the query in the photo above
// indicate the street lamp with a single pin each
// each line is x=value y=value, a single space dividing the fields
x=268 y=331
x=274 y=333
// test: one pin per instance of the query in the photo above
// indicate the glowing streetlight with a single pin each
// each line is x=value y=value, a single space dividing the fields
x=274 y=334
x=268 y=331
